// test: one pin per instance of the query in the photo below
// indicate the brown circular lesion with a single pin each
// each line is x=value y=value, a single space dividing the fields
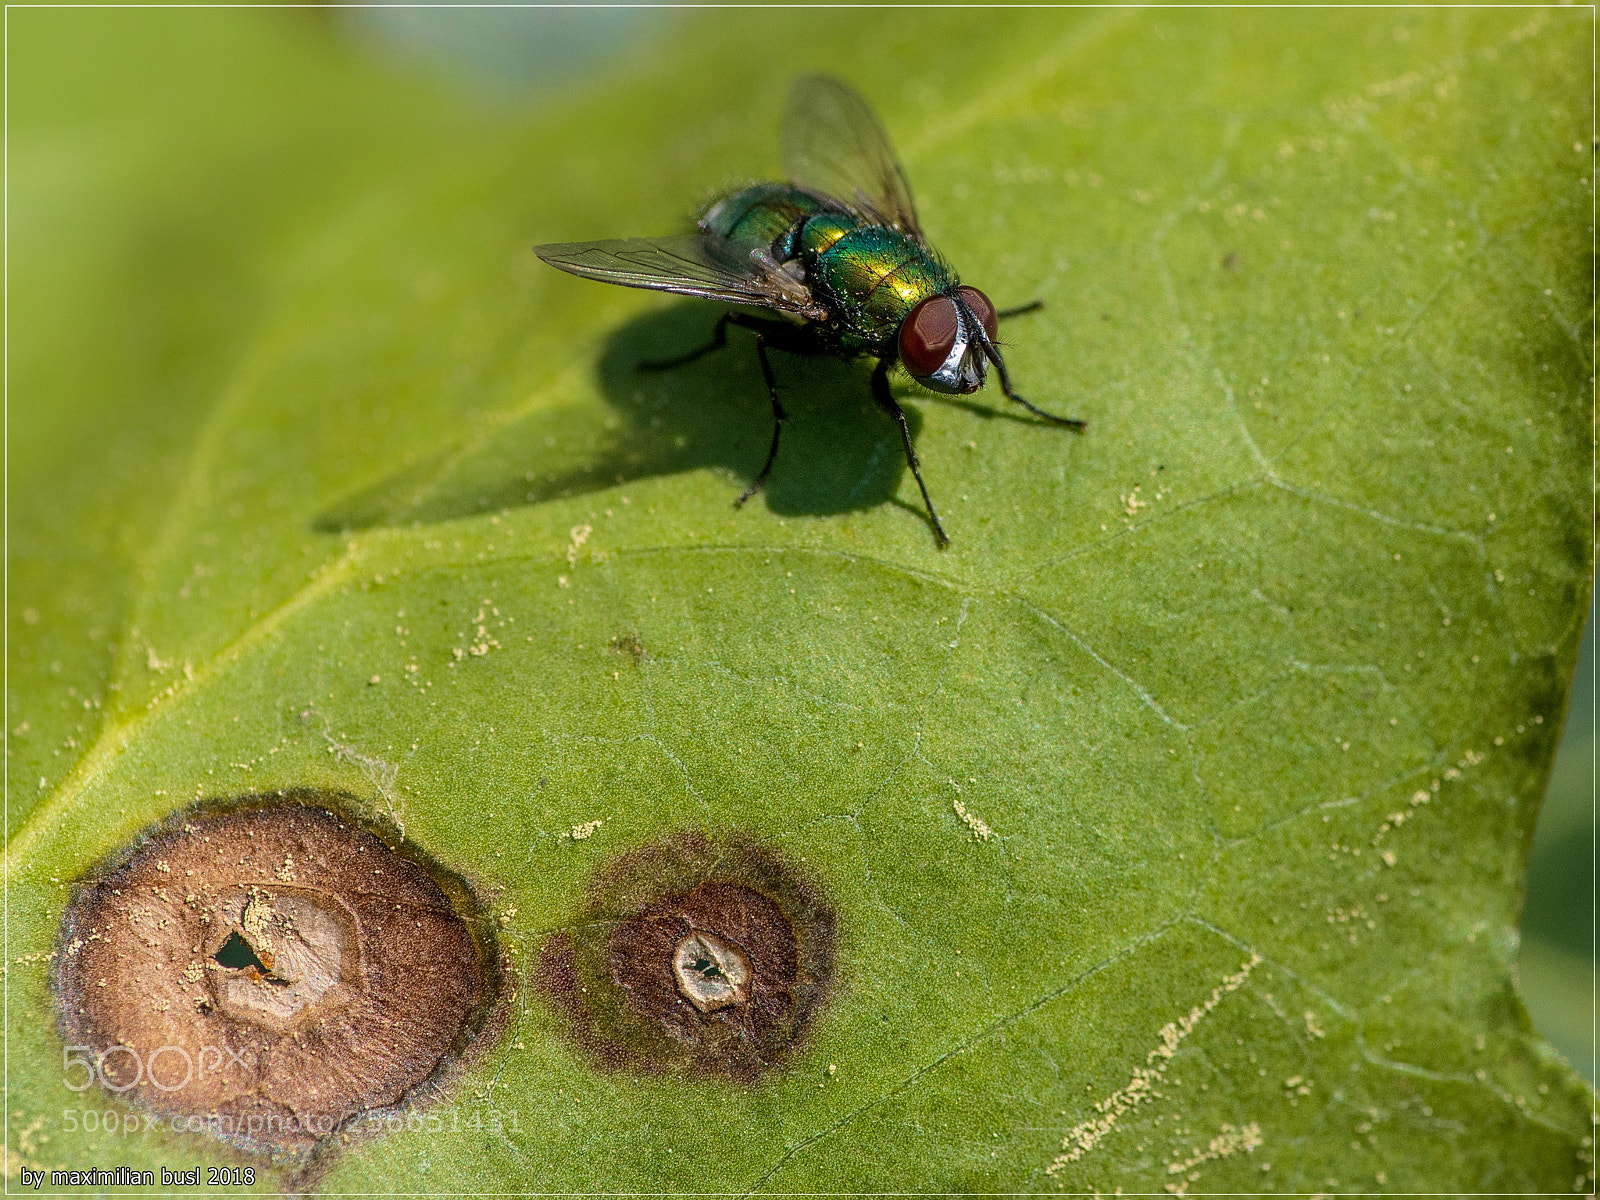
x=705 y=956
x=273 y=970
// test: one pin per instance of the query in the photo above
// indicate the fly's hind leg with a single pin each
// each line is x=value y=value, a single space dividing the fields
x=719 y=339
x=778 y=334
x=880 y=393
x=778 y=418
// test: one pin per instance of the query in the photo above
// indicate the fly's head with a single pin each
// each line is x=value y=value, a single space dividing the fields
x=946 y=341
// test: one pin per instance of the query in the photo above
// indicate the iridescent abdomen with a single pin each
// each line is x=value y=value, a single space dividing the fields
x=762 y=215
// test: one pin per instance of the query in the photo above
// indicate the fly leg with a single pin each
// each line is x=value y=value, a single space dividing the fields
x=778 y=334
x=1005 y=386
x=1019 y=310
x=880 y=393
x=778 y=418
x=719 y=339
x=781 y=336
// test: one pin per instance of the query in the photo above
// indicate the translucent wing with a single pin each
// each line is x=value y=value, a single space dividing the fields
x=832 y=143
x=691 y=264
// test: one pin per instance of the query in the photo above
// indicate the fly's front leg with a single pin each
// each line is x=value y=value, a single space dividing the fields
x=1019 y=310
x=880 y=393
x=1005 y=386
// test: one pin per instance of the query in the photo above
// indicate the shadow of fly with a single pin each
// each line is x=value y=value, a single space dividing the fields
x=838 y=254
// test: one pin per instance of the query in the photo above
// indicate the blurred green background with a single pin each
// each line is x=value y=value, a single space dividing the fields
x=1557 y=958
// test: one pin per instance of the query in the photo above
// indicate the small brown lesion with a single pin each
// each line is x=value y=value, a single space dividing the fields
x=628 y=644
x=712 y=957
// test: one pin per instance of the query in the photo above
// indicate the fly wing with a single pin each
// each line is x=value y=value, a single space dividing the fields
x=691 y=264
x=832 y=143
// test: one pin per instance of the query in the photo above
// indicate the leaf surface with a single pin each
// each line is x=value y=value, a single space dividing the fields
x=1175 y=816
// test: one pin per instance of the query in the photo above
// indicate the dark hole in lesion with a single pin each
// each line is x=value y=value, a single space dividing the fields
x=238 y=955
x=707 y=968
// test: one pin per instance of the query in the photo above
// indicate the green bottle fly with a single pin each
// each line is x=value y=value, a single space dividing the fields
x=838 y=253
x=868 y=276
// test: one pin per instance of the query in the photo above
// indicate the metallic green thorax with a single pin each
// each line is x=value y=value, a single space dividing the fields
x=867 y=276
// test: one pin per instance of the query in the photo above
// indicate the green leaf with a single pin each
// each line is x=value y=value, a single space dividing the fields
x=1174 y=818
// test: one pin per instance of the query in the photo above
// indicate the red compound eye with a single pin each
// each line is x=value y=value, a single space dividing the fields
x=981 y=308
x=928 y=334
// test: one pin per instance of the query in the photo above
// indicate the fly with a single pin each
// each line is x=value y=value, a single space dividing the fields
x=838 y=253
